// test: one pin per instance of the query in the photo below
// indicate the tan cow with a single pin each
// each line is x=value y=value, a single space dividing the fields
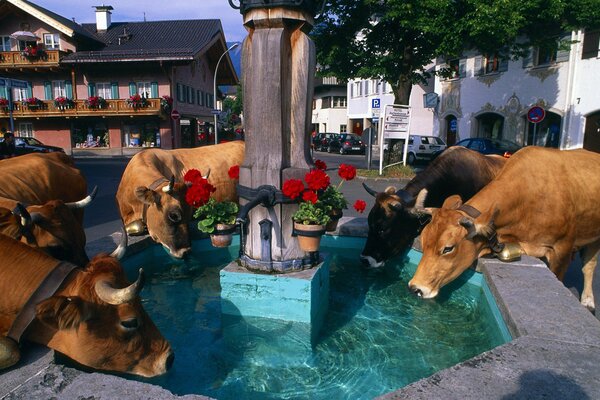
x=95 y=317
x=54 y=192
x=544 y=200
x=146 y=200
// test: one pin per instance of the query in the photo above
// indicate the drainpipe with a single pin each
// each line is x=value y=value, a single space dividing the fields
x=571 y=80
x=74 y=83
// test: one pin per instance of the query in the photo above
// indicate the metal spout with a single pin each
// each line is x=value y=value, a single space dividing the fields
x=265 y=195
x=510 y=252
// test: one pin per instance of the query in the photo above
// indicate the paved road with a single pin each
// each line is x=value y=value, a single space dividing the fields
x=102 y=217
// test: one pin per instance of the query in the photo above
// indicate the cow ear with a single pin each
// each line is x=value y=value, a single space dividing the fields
x=452 y=202
x=390 y=190
x=60 y=312
x=146 y=195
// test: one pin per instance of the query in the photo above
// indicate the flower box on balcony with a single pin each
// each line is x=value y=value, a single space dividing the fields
x=33 y=52
x=95 y=102
x=62 y=103
x=137 y=101
x=33 y=103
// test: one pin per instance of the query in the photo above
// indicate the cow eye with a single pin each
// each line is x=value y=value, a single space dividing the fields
x=175 y=216
x=448 y=249
x=130 y=324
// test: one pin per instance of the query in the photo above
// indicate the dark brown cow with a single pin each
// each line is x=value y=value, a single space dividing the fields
x=393 y=222
x=146 y=199
x=95 y=317
x=544 y=200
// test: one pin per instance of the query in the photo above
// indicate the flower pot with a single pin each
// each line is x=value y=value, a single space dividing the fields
x=309 y=236
x=222 y=235
x=335 y=216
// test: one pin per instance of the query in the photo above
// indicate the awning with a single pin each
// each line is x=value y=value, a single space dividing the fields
x=25 y=36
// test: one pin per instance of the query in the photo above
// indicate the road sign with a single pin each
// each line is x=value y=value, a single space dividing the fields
x=375 y=103
x=175 y=115
x=216 y=112
x=536 y=114
x=395 y=125
x=375 y=120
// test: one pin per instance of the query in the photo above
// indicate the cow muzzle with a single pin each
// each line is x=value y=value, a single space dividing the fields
x=421 y=291
x=371 y=262
x=178 y=253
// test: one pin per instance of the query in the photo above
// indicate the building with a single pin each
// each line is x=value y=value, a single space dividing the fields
x=329 y=106
x=110 y=87
x=490 y=97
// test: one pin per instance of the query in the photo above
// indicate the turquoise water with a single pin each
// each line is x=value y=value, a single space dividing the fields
x=377 y=337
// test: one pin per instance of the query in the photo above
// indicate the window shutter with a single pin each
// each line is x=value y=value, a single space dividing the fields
x=154 y=90
x=562 y=54
x=478 y=65
x=3 y=93
x=591 y=44
x=114 y=90
x=198 y=97
x=503 y=65
x=48 y=90
x=91 y=89
x=201 y=99
x=193 y=99
x=68 y=89
x=462 y=68
x=29 y=90
x=178 y=91
x=132 y=88
x=528 y=58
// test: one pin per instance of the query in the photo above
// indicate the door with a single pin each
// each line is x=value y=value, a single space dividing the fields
x=591 y=140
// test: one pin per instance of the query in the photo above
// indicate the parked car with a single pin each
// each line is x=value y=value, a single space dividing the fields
x=345 y=143
x=421 y=147
x=25 y=145
x=321 y=141
x=490 y=146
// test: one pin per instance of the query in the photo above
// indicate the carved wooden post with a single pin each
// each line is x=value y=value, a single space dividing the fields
x=278 y=72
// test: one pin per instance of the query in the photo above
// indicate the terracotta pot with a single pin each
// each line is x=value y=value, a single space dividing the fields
x=335 y=216
x=309 y=243
x=222 y=236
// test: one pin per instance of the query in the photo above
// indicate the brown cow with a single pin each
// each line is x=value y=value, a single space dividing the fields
x=95 y=317
x=544 y=200
x=145 y=186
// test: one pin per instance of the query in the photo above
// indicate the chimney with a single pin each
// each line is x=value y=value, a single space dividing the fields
x=103 y=17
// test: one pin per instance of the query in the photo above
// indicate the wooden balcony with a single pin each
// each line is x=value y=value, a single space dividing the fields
x=80 y=109
x=15 y=59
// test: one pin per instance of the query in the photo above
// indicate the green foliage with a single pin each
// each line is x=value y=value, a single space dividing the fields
x=333 y=199
x=215 y=212
x=311 y=214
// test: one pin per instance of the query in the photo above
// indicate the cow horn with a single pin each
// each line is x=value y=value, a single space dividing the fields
x=207 y=174
x=369 y=190
x=169 y=188
x=469 y=226
x=119 y=252
x=420 y=202
x=113 y=296
x=21 y=211
x=85 y=201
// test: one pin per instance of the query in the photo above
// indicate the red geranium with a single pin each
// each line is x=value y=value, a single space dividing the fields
x=317 y=179
x=193 y=176
x=360 y=206
x=309 y=195
x=320 y=165
x=198 y=194
x=234 y=172
x=347 y=172
x=292 y=188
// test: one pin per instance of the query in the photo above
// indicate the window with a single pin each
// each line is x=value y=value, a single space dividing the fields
x=339 y=102
x=20 y=94
x=343 y=128
x=59 y=89
x=356 y=89
x=490 y=64
x=104 y=90
x=141 y=135
x=591 y=44
x=52 y=41
x=374 y=83
x=4 y=43
x=144 y=89
x=456 y=68
x=25 y=129
x=549 y=54
x=326 y=102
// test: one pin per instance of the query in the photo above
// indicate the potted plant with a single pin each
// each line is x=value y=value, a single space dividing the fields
x=215 y=218
x=63 y=103
x=32 y=102
x=137 y=101
x=3 y=104
x=166 y=103
x=32 y=52
x=95 y=102
x=332 y=197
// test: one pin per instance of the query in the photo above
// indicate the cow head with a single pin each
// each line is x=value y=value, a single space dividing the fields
x=451 y=242
x=393 y=224
x=97 y=319
x=167 y=216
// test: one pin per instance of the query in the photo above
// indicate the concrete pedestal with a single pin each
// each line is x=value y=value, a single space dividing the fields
x=299 y=296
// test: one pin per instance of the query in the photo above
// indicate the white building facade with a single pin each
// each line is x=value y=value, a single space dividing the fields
x=329 y=106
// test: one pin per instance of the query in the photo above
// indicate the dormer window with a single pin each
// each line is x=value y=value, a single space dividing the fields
x=52 y=41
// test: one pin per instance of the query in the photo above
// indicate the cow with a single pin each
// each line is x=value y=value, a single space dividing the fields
x=543 y=200
x=54 y=194
x=95 y=317
x=151 y=194
x=393 y=222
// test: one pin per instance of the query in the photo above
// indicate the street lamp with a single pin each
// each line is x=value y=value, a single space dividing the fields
x=233 y=46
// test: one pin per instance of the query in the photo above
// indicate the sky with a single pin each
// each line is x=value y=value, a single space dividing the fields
x=156 y=10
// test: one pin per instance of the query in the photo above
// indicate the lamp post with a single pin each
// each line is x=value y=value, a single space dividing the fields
x=233 y=46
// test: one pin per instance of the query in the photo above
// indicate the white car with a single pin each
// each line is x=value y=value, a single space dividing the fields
x=422 y=147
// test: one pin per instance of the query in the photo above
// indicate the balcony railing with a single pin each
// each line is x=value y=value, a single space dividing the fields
x=49 y=58
x=46 y=108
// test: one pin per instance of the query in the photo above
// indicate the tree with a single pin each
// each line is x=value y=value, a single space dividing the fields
x=396 y=40
x=232 y=110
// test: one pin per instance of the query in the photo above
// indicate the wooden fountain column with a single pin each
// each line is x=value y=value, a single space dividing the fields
x=278 y=73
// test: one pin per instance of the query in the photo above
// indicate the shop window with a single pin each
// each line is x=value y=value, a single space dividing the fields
x=90 y=134
x=545 y=133
x=490 y=126
x=141 y=135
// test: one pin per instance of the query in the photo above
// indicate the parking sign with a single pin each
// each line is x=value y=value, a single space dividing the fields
x=375 y=103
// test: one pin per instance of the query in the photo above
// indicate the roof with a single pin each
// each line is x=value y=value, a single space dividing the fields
x=68 y=26
x=155 y=40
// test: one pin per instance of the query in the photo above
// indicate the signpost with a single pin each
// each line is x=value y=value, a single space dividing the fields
x=9 y=84
x=535 y=115
x=395 y=125
x=175 y=115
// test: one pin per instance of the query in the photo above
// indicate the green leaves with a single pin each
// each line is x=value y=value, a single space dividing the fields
x=214 y=212
x=311 y=214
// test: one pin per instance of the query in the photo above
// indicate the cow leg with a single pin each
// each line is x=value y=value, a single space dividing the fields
x=589 y=257
x=558 y=258
x=9 y=352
